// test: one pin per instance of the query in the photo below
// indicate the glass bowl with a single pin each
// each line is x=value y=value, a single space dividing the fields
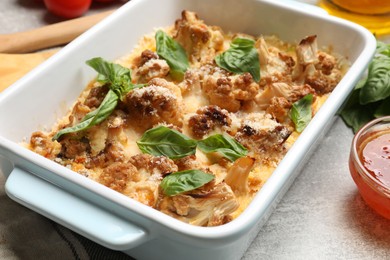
x=369 y=163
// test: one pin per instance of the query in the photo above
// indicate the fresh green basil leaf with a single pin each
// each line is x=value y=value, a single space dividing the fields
x=371 y=97
x=383 y=108
x=377 y=86
x=184 y=181
x=241 y=57
x=301 y=112
x=116 y=76
x=164 y=141
x=357 y=116
x=173 y=53
x=93 y=118
x=383 y=48
x=227 y=146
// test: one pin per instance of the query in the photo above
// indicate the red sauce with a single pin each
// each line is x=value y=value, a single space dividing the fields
x=369 y=165
x=376 y=157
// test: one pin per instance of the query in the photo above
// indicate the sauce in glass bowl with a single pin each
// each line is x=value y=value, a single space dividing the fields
x=369 y=164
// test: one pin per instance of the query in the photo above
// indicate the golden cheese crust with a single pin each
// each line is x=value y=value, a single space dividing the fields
x=208 y=100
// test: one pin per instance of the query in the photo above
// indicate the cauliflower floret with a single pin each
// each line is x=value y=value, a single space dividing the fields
x=152 y=170
x=290 y=92
x=153 y=104
x=150 y=67
x=154 y=165
x=207 y=119
x=229 y=92
x=210 y=205
x=264 y=136
x=237 y=175
x=315 y=68
x=200 y=41
x=44 y=145
x=118 y=175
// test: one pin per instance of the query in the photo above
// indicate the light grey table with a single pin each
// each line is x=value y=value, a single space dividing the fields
x=321 y=216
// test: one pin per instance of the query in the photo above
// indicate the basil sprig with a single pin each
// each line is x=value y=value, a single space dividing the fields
x=371 y=96
x=227 y=146
x=173 y=53
x=118 y=79
x=301 y=112
x=241 y=57
x=164 y=141
x=184 y=181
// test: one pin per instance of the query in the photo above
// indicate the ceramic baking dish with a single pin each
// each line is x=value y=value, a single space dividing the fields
x=110 y=218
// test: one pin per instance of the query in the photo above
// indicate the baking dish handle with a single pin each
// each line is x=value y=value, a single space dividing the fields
x=72 y=212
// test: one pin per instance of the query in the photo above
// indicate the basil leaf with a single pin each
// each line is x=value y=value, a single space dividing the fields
x=116 y=76
x=94 y=117
x=383 y=108
x=241 y=57
x=371 y=97
x=377 y=86
x=173 y=53
x=383 y=48
x=301 y=112
x=184 y=181
x=118 y=79
x=227 y=146
x=164 y=141
x=357 y=116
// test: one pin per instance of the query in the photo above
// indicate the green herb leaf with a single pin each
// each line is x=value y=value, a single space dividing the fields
x=356 y=116
x=301 y=112
x=383 y=48
x=383 y=108
x=173 y=53
x=371 y=97
x=93 y=118
x=241 y=57
x=162 y=140
x=184 y=181
x=377 y=86
x=118 y=79
x=116 y=76
x=227 y=146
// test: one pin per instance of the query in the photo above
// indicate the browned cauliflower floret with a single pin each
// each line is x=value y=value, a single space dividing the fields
x=112 y=153
x=44 y=145
x=290 y=92
x=229 y=92
x=206 y=206
x=151 y=170
x=187 y=163
x=73 y=146
x=118 y=175
x=207 y=119
x=279 y=108
x=153 y=104
x=146 y=56
x=264 y=136
x=275 y=65
x=152 y=164
x=316 y=68
x=95 y=96
x=199 y=40
x=191 y=82
x=150 y=67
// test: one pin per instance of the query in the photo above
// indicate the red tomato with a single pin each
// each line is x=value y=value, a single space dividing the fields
x=68 y=8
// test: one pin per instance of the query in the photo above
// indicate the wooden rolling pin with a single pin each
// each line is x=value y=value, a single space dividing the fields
x=48 y=36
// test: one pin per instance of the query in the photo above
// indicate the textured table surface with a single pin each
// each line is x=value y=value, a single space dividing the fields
x=321 y=216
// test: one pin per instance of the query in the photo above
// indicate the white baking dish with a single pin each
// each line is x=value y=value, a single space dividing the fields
x=112 y=219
